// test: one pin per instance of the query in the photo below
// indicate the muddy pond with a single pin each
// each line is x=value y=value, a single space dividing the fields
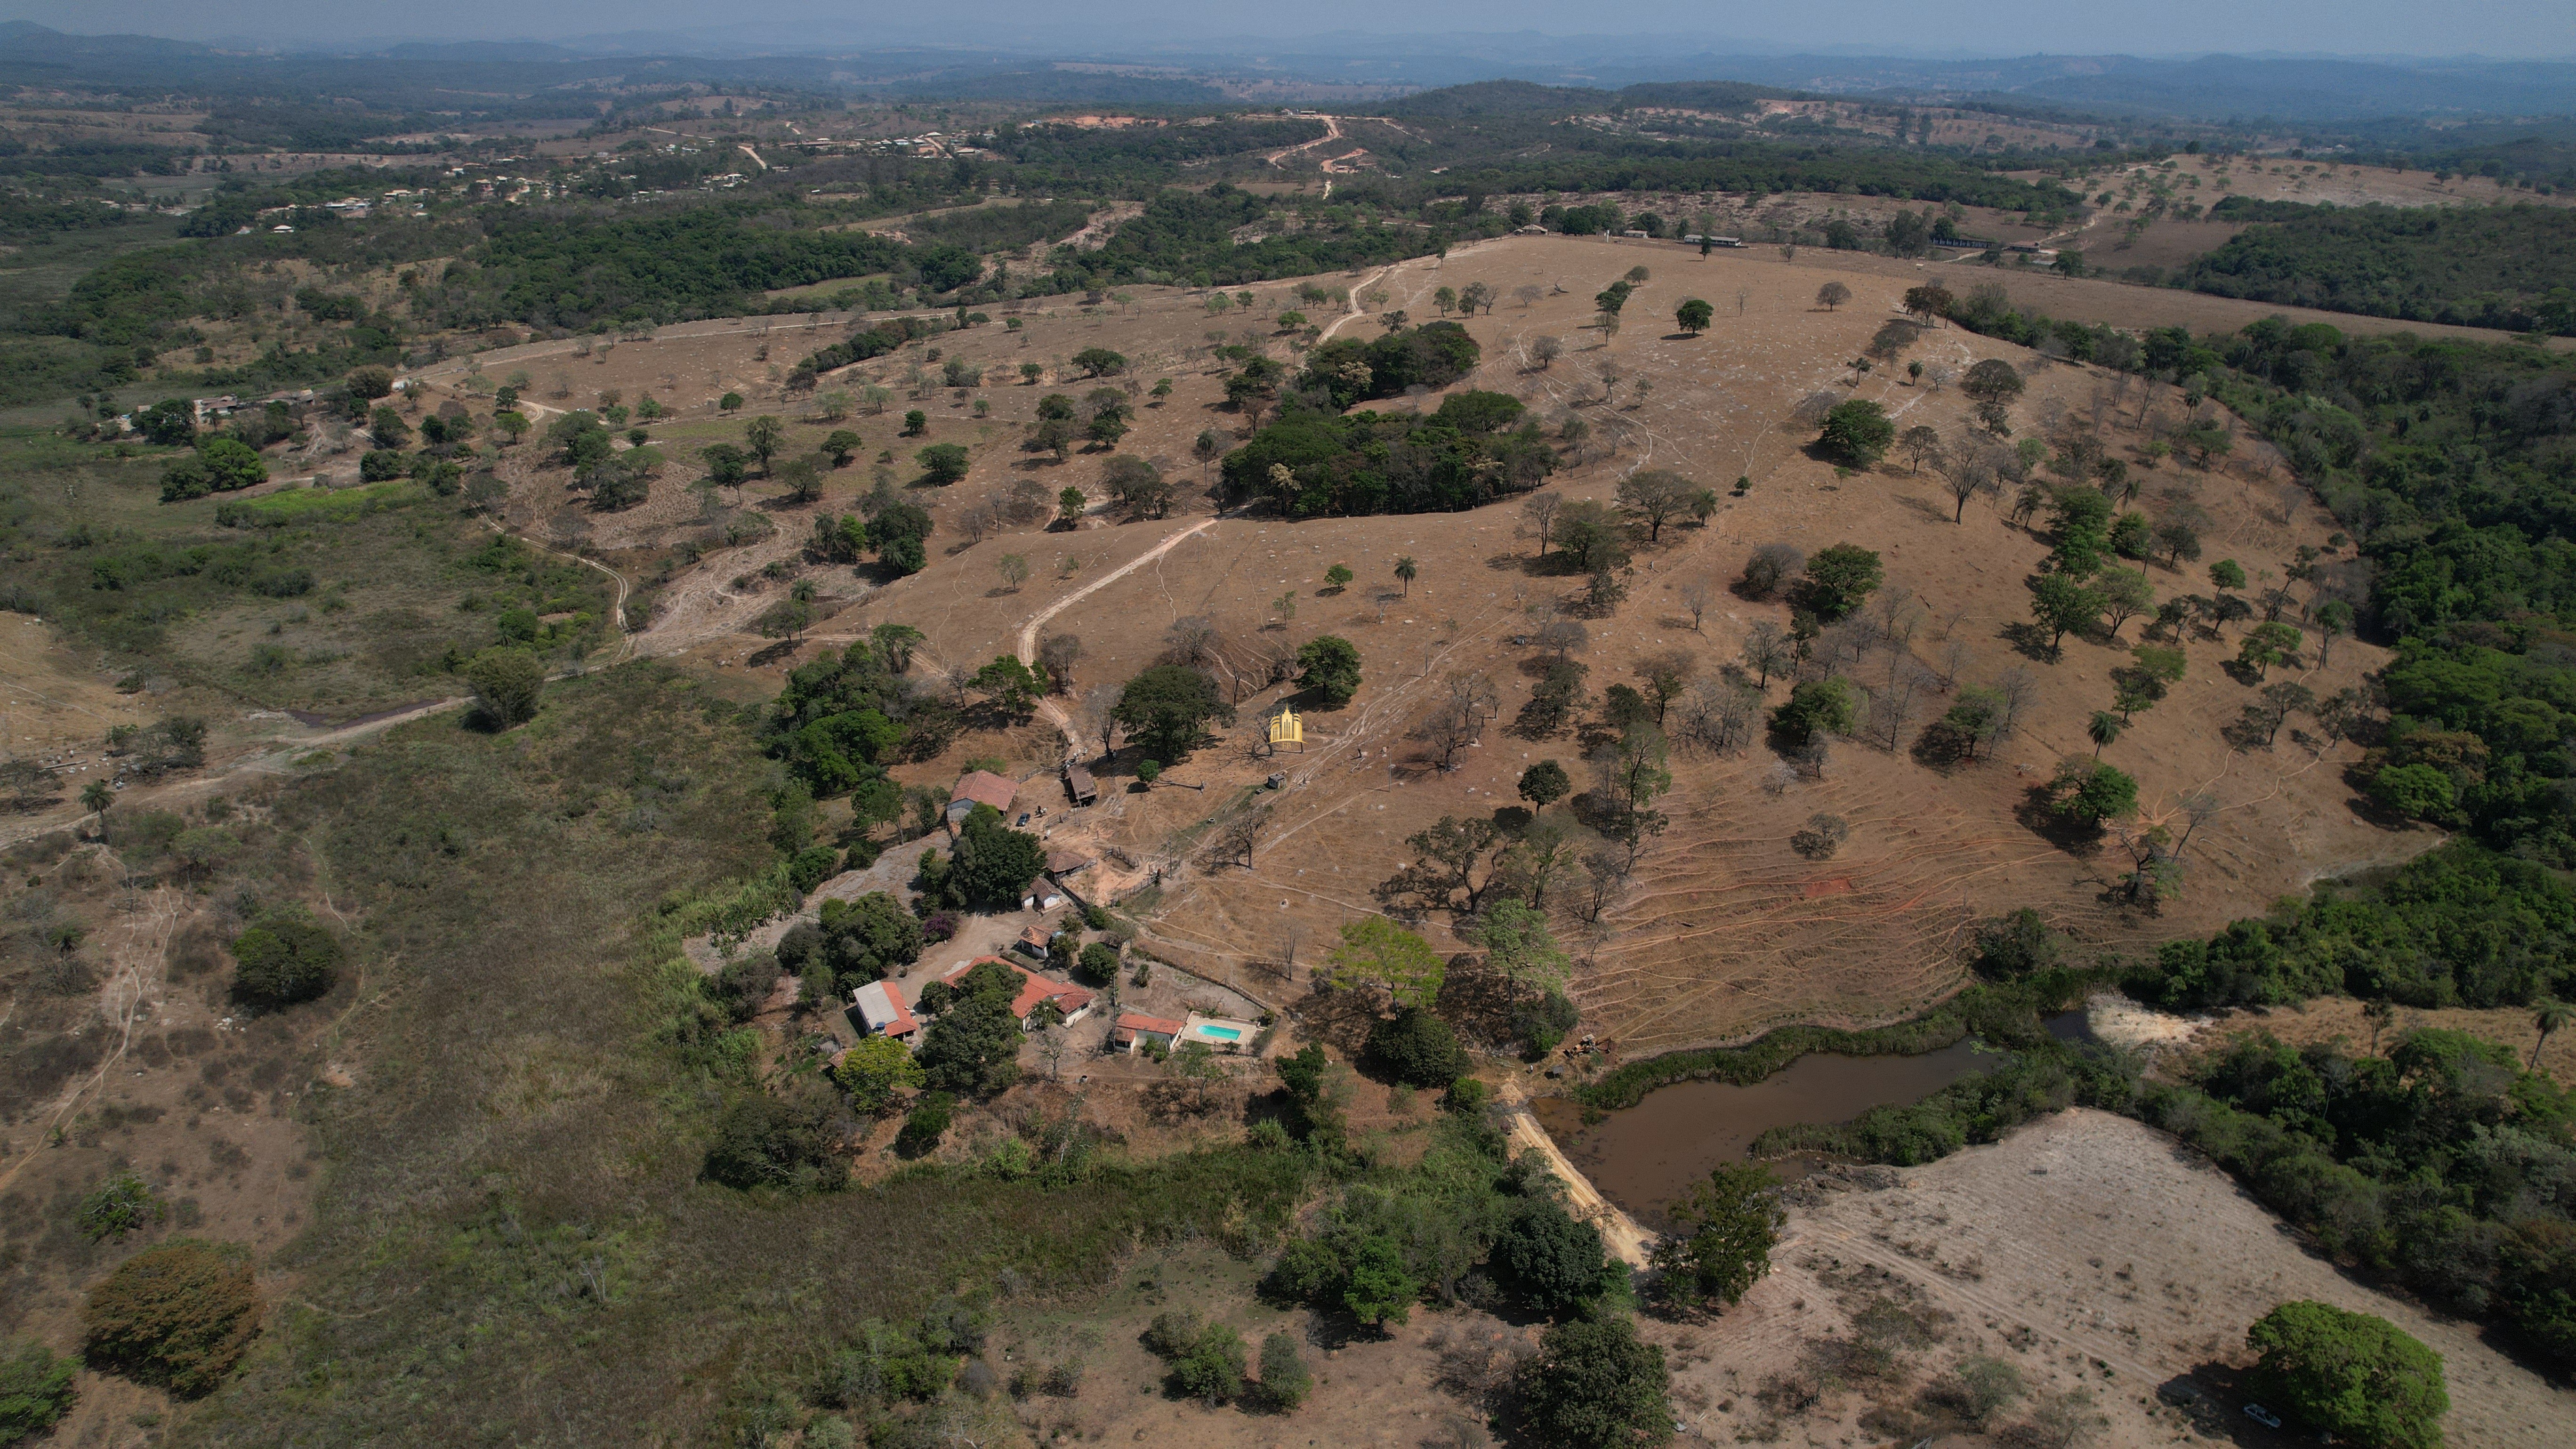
x=1649 y=1154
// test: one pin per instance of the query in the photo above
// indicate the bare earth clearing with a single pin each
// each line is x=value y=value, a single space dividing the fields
x=2086 y=1250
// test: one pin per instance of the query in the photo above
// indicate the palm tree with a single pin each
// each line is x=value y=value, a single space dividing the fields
x=2548 y=1015
x=2379 y=1014
x=95 y=797
x=2104 y=728
x=1405 y=570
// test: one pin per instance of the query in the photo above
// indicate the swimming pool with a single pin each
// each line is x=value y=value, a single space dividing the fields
x=1222 y=1033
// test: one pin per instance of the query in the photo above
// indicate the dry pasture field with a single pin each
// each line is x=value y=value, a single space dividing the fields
x=1724 y=930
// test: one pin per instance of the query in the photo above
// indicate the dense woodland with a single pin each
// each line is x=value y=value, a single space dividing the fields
x=1477 y=447
x=2512 y=267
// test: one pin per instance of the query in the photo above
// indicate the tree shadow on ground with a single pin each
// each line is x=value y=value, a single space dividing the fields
x=2038 y=815
x=2029 y=641
x=1479 y=1003
x=1340 y=1019
x=783 y=649
x=2213 y=1394
x=1945 y=750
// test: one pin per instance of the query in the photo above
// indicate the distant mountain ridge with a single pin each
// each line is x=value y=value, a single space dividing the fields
x=2208 y=88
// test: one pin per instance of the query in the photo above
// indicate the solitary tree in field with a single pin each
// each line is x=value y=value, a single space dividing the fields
x=1545 y=783
x=1694 y=316
x=1920 y=442
x=2104 y=728
x=1329 y=666
x=2124 y=592
x=1992 y=385
x=507 y=682
x=1377 y=951
x=2547 y=1016
x=2353 y=1375
x=1654 y=497
x=803 y=477
x=95 y=797
x=1406 y=570
x=1857 y=433
x=1832 y=295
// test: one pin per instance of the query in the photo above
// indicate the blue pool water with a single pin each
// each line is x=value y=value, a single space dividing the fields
x=1222 y=1033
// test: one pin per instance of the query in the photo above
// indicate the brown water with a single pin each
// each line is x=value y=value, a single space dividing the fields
x=1647 y=1155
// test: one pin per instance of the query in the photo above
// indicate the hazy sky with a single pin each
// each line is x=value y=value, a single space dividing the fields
x=2513 y=28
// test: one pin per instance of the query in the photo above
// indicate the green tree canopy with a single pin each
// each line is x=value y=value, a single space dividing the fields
x=1376 y=950
x=1857 y=433
x=1329 y=667
x=874 y=1070
x=942 y=463
x=972 y=1046
x=1168 y=707
x=179 y=1315
x=1592 y=1385
x=2092 y=792
x=990 y=868
x=1724 y=1230
x=1544 y=783
x=1552 y=1263
x=1416 y=1048
x=1814 y=706
x=1839 y=579
x=37 y=1387
x=283 y=960
x=2354 y=1375
x=507 y=681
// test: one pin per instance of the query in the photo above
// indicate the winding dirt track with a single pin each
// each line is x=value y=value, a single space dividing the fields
x=139 y=945
x=1027 y=645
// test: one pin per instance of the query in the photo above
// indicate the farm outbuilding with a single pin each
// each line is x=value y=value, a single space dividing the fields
x=979 y=787
x=879 y=1010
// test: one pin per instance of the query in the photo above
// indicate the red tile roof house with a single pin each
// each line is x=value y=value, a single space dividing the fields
x=979 y=787
x=880 y=1011
x=1072 y=1000
x=1133 y=1028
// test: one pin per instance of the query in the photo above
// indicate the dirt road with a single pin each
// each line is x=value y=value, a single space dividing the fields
x=1026 y=646
x=1624 y=1236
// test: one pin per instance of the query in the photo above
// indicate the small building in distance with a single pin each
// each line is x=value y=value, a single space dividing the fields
x=878 y=1010
x=1079 y=784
